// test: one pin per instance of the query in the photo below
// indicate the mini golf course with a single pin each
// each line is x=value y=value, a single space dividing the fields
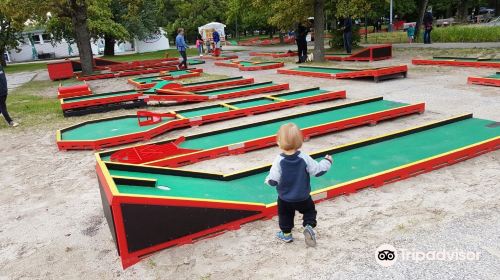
x=151 y=208
x=458 y=61
x=245 y=138
x=124 y=73
x=250 y=65
x=371 y=53
x=274 y=54
x=221 y=57
x=378 y=74
x=492 y=80
x=149 y=82
x=178 y=96
x=109 y=132
x=97 y=103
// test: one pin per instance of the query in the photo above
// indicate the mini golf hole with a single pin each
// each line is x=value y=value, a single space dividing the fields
x=164 y=188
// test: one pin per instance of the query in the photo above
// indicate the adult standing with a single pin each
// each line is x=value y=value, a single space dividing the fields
x=181 y=45
x=300 y=38
x=3 y=99
x=347 y=34
x=427 y=26
x=216 y=38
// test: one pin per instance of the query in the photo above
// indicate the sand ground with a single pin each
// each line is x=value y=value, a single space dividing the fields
x=52 y=226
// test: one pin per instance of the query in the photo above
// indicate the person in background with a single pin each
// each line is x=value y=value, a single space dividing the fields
x=300 y=38
x=347 y=28
x=216 y=38
x=410 y=31
x=181 y=45
x=3 y=99
x=199 y=45
x=427 y=26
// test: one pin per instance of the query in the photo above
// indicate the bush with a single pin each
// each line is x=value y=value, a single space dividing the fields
x=451 y=34
x=466 y=33
x=337 y=40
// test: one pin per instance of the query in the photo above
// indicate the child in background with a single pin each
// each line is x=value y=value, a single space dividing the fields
x=290 y=174
x=199 y=45
x=410 y=31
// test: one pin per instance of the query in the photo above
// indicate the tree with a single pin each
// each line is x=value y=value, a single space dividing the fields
x=11 y=27
x=421 y=11
x=191 y=14
x=131 y=19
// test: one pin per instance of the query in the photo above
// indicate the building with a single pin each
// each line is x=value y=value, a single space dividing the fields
x=38 y=46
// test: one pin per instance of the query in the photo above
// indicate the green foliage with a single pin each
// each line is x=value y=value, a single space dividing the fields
x=191 y=14
x=353 y=8
x=452 y=34
x=287 y=13
x=102 y=20
x=466 y=33
x=11 y=25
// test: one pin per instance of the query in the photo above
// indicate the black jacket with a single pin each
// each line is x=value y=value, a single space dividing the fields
x=301 y=33
x=347 y=24
x=3 y=82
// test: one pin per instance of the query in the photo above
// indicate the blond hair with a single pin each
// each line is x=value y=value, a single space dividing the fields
x=289 y=137
x=179 y=30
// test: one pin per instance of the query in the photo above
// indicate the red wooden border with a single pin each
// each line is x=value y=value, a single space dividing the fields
x=455 y=63
x=484 y=81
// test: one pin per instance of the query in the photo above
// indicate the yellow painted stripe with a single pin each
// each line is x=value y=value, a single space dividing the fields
x=107 y=176
x=229 y=106
x=58 y=136
x=274 y=98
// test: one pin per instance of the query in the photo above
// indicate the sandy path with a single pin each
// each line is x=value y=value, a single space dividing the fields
x=52 y=225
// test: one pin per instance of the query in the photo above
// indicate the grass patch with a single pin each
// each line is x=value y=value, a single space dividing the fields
x=27 y=106
x=451 y=34
x=25 y=67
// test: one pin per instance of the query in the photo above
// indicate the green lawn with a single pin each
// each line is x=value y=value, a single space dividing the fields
x=452 y=34
x=25 y=67
x=27 y=106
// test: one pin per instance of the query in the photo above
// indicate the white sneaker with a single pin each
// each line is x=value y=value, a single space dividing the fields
x=13 y=124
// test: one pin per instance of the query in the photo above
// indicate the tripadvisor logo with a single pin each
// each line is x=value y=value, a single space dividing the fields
x=386 y=255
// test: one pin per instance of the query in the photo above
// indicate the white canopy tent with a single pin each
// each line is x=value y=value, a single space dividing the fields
x=207 y=29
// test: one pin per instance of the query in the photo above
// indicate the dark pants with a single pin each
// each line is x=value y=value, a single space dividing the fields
x=3 y=108
x=427 y=36
x=348 y=41
x=302 y=50
x=184 y=59
x=286 y=213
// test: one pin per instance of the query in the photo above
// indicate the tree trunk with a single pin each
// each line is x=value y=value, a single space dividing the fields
x=109 y=45
x=82 y=34
x=421 y=11
x=319 y=30
x=462 y=10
